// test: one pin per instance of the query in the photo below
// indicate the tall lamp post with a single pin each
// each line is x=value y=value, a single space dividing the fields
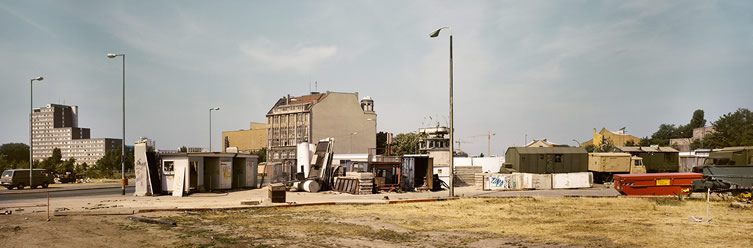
x=210 y=127
x=577 y=143
x=452 y=130
x=31 y=128
x=122 y=142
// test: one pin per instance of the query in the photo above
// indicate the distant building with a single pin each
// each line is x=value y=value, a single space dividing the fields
x=683 y=144
x=618 y=138
x=433 y=139
x=56 y=126
x=249 y=140
x=309 y=118
x=543 y=143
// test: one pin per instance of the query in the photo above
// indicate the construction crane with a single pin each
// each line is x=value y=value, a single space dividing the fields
x=458 y=142
x=488 y=135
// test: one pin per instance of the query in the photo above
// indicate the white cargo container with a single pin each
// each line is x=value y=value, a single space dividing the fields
x=572 y=180
x=535 y=181
x=498 y=181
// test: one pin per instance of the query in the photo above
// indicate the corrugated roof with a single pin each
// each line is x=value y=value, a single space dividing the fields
x=549 y=150
x=647 y=149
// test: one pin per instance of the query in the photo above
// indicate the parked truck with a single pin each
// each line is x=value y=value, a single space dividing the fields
x=732 y=156
x=605 y=164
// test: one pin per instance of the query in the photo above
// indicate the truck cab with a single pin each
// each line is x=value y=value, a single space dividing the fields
x=636 y=165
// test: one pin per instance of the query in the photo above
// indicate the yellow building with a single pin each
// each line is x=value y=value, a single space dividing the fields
x=249 y=140
x=618 y=138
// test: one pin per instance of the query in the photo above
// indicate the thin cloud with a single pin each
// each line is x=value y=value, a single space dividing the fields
x=301 y=59
x=28 y=21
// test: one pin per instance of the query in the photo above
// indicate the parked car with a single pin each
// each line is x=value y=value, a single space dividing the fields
x=67 y=177
x=19 y=178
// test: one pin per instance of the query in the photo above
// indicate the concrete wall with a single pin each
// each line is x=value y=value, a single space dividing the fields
x=337 y=116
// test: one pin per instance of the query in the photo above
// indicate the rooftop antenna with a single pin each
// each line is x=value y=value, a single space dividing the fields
x=316 y=86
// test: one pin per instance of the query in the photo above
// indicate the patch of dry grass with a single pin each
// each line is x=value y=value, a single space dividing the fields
x=514 y=221
x=577 y=221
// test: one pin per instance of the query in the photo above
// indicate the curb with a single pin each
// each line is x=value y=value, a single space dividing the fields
x=290 y=205
x=59 y=190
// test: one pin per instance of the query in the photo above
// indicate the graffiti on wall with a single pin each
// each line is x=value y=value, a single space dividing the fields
x=501 y=181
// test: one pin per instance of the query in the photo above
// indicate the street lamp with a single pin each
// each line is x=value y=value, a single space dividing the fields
x=210 y=127
x=122 y=142
x=577 y=143
x=31 y=128
x=452 y=130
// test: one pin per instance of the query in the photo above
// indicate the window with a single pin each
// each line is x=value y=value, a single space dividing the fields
x=558 y=158
x=168 y=167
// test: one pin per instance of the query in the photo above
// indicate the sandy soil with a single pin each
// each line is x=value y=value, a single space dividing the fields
x=509 y=222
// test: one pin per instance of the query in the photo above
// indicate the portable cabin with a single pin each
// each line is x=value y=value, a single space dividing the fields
x=544 y=160
x=205 y=171
x=655 y=158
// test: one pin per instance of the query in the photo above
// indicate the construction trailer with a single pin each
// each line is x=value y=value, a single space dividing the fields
x=656 y=159
x=205 y=171
x=544 y=160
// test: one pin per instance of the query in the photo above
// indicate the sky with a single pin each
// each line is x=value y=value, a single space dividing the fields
x=535 y=69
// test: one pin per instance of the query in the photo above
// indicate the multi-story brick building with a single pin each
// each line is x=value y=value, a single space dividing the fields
x=309 y=118
x=56 y=126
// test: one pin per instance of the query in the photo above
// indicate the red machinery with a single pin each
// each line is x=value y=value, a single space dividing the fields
x=655 y=183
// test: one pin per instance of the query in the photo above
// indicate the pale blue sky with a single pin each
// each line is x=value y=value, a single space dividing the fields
x=549 y=69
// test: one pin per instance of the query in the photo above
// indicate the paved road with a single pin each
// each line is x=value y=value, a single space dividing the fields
x=40 y=194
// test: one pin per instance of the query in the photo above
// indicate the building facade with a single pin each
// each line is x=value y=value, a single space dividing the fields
x=309 y=118
x=56 y=126
x=250 y=140
x=618 y=138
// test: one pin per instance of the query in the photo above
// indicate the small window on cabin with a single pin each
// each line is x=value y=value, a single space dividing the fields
x=558 y=158
x=168 y=167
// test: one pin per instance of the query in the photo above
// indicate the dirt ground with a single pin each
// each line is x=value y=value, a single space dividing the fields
x=478 y=222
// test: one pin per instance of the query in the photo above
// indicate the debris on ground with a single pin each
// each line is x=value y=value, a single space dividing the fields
x=743 y=205
x=152 y=221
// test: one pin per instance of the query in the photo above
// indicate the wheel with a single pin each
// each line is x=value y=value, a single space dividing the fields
x=9 y=187
x=20 y=186
x=45 y=185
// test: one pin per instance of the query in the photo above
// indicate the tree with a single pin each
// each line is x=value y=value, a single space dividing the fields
x=106 y=165
x=732 y=129
x=262 y=153
x=53 y=162
x=666 y=131
x=406 y=143
x=183 y=149
x=15 y=152
x=630 y=143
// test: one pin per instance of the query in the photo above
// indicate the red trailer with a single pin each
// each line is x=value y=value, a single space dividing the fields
x=655 y=183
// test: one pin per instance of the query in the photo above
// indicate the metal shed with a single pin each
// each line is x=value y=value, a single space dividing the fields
x=656 y=159
x=547 y=159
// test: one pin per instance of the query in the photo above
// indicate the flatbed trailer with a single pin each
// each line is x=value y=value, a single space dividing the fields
x=656 y=184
